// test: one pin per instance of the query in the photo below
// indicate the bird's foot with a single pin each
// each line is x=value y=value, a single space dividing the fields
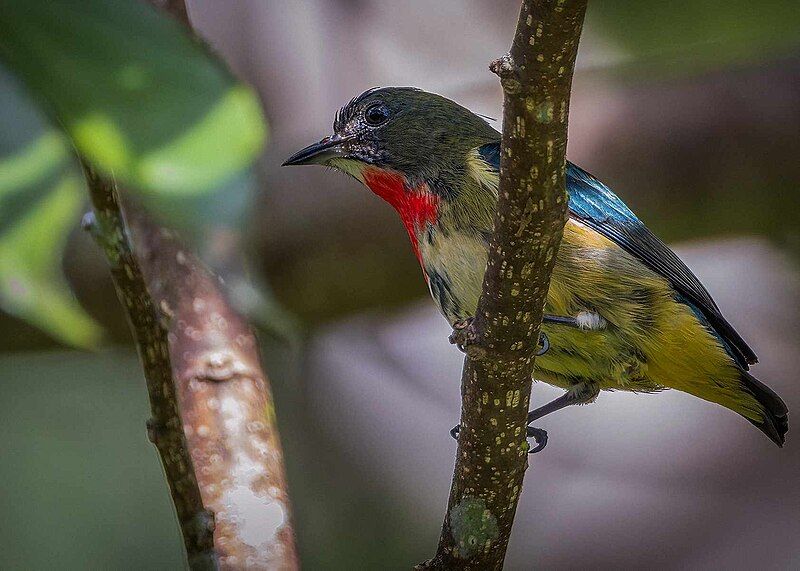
x=454 y=431
x=544 y=344
x=539 y=436
x=463 y=333
x=465 y=337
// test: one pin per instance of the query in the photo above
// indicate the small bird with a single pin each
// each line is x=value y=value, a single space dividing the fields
x=623 y=312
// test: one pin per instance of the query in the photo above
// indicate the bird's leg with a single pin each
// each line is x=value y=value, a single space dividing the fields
x=464 y=335
x=544 y=341
x=565 y=400
x=560 y=320
x=584 y=320
x=580 y=394
x=538 y=434
x=588 y=320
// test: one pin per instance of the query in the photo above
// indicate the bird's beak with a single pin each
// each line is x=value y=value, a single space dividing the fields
x=319 y=153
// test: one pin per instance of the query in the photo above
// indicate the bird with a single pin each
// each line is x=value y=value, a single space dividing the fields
x=623 y=312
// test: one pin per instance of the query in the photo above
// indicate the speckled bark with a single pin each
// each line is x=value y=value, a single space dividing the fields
x=225 y=404
x=213 y=420
x=150 y=329
x=224 y=401
x=532 y=209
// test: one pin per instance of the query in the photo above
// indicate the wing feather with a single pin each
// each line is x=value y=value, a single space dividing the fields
x=595 y=205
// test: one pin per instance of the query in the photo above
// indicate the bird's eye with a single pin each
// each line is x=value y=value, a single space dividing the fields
x=376 y=114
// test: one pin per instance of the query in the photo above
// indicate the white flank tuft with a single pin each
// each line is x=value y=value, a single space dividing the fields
x=590 y=320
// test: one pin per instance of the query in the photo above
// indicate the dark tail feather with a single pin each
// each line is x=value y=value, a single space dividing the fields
x=775 y=423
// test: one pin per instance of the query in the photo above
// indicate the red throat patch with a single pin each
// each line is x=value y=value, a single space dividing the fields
x=416 y=206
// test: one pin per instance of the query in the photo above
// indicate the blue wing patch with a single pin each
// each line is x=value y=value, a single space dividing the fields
x=594 y=204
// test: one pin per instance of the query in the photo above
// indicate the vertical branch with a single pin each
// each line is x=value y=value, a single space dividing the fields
x=491 y=460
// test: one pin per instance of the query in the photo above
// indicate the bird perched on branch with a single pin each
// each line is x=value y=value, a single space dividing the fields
x=622 y=312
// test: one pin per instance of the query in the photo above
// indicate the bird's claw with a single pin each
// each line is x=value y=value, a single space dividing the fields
x=463 y=334
x=539 y=435
x=454 y=431
x=544 y=342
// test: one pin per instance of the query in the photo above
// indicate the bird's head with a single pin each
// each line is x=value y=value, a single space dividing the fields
x=419 y=135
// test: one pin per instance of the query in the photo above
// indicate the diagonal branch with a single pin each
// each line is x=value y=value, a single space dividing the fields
x=107 y=225
x=225 y=404
x=536 y=76
x=213 y=419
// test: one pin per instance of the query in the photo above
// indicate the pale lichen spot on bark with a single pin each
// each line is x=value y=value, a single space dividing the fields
x=473 y=527
x=544 y=111
x=530 y=103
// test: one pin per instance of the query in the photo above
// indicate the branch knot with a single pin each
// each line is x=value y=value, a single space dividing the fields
x=507 y=70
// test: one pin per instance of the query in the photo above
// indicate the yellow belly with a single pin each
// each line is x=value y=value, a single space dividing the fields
x=651 y=341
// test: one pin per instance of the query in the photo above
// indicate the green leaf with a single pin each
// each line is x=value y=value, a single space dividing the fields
x=40 y=200
x=31 y=286
x=140 y=98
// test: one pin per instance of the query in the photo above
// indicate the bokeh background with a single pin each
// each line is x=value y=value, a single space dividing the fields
x=689 y=110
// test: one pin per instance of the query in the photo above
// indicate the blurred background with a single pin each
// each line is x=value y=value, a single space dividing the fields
x=689 y=110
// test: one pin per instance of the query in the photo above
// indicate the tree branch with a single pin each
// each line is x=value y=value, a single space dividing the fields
x=213 y=419
x=491 y=460
x=107 y=225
